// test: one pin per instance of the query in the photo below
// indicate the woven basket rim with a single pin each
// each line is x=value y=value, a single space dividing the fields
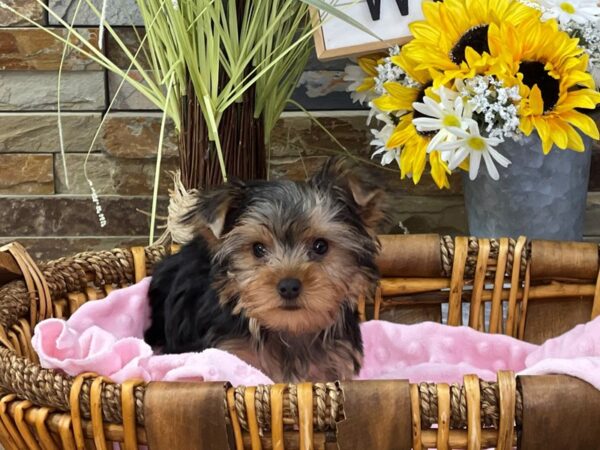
x=74 y=274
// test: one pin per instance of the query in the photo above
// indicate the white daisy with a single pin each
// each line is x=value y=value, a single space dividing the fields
x=356 y=76
x=443 y=117
x=382 y=136
x=580 y=11
x=473 y=146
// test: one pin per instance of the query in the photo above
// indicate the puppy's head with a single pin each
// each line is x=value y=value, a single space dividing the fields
x=287 y=254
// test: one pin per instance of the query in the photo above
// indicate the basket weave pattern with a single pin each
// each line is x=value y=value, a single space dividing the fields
x=41 y=408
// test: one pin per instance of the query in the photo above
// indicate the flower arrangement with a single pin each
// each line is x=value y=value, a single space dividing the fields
x=478 y=73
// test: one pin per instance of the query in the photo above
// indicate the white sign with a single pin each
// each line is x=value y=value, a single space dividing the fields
x=338 y=39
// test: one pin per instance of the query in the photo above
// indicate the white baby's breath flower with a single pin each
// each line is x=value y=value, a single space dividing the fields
x=388 y=71
x=580 y=11
x=98 y=206
x=535 y=4
x=494 y=106
x=470 y=144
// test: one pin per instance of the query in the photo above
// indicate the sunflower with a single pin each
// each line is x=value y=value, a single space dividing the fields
x=453 y=38
x=551 y=71
x=398 y=100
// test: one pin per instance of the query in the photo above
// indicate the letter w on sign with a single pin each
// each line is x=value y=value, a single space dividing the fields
x=386 y=19
x=375 y=8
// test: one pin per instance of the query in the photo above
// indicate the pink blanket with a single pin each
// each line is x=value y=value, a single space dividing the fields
x=106 y=337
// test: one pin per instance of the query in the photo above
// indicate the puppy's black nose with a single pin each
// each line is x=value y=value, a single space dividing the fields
x=289 y=288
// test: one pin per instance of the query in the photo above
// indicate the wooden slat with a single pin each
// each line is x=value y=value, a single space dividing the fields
x=401 y=286
x=554 y=289
x=415 y=403
x=496 y=314
x=525 y=302
x=479 y=283
x=75 y=407
x=96 y=413
x=9 y=269
x=249 y=400
x=23 y=426
x=461 y=247
x=46 y=439
x=235 y=424
x=8 y=421
x=473 y=395
x=458 y=439
x=305 y=419
x=377 y=303
x=130 y=441
x=139 y=263
x=65 y=431
x=515 y=286
x=596 y=305
x=443 y=436
x=507 y=388
x=277 y=434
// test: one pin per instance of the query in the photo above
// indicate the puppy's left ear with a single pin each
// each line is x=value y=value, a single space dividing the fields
x=211 y=213
x=370 y=200
x=358 y=187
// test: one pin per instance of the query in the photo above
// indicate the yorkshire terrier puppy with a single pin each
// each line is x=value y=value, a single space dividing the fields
x=274 y=275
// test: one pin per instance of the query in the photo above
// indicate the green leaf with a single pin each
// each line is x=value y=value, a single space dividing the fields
x=336 y=12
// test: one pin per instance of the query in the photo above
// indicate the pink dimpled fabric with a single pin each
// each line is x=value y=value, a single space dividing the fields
x=106 y=337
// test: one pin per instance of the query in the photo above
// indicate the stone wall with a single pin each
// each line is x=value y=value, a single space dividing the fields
x=52 y=219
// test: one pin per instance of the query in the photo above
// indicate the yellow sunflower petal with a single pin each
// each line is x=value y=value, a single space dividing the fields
x=439 y=170
x=543 y=130
x=368 y=64
x=399 y=98
x=558 y=135
x=582 y=121
x=399 y=91
x=526 y=125
x=583 y=98
x=575 y=141
x=420 y=160
x=536 y=102
x=367 y=85
x=409 y=66
x=572 y=138
x=401 y=133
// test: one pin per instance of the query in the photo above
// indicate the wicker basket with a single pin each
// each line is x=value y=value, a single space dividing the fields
x=536 y=290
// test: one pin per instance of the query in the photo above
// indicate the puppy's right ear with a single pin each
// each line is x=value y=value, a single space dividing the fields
x=213 y=210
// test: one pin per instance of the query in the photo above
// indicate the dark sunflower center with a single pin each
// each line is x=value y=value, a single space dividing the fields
x=417 y=114
x=535 y=73
x=476 y=38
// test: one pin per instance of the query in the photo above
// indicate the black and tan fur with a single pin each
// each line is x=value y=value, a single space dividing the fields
x=220 y=291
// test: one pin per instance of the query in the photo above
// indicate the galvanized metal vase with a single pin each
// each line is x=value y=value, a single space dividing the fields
x=539 y=196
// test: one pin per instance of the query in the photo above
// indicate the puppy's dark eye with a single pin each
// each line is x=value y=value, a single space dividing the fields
x=320 y=246
x=259 y=250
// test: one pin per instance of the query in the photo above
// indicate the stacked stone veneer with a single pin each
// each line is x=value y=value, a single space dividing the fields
x=39 y=209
